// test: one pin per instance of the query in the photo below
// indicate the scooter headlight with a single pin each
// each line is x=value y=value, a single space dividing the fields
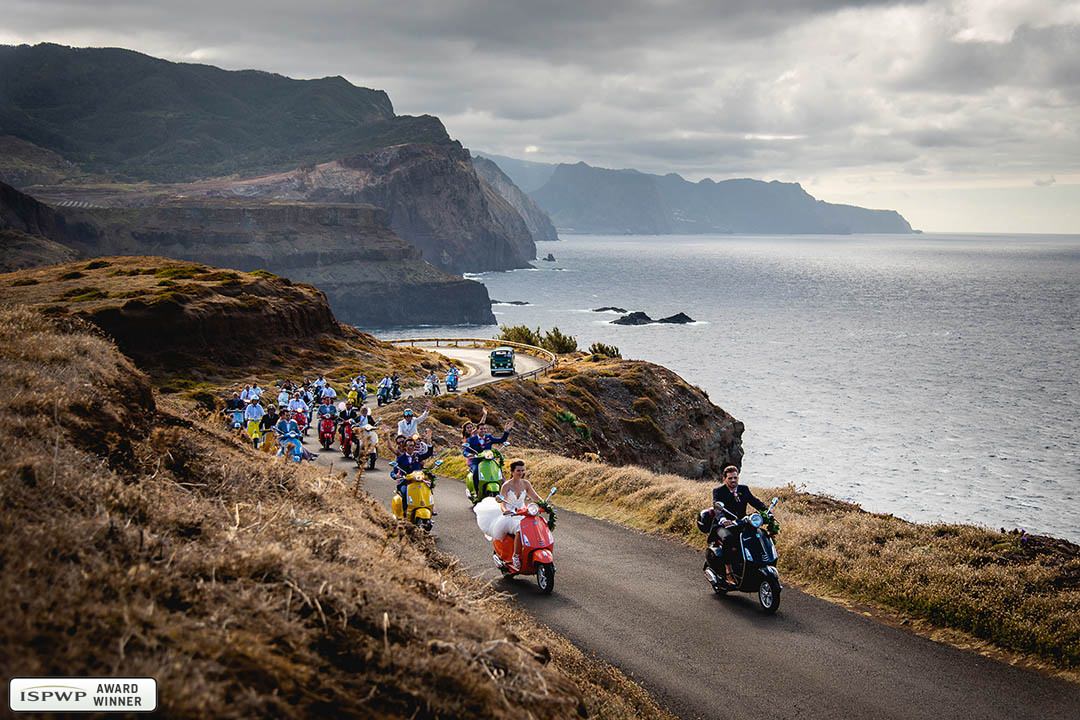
x=756 y=520
x=533 y=509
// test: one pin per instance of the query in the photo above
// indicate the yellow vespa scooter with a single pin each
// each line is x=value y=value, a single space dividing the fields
x=421 y=499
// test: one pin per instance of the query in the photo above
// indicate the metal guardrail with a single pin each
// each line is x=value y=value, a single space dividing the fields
x=551 y=358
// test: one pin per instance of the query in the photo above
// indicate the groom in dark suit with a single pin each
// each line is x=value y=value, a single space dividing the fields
x=735 y=498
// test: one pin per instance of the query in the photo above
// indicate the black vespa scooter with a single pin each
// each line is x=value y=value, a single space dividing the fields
x=752 y=555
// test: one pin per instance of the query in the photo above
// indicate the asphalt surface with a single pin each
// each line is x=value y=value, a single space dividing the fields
x=642 y=604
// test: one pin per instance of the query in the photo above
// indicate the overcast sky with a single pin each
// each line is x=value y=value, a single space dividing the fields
x=962 y=114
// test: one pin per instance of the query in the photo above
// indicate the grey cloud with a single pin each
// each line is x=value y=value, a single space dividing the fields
x=696 y=87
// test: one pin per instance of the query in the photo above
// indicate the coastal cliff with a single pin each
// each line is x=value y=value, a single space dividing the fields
x=627 y=412
x=370 y=276
x=535 y=218
x=431 y=195
x=73 y=118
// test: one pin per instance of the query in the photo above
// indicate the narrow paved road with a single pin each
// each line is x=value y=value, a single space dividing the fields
x=642 y=604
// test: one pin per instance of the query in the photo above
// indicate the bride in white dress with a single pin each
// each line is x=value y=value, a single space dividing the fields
x=491 y=515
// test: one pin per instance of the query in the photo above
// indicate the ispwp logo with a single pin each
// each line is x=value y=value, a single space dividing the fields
x=72 y=694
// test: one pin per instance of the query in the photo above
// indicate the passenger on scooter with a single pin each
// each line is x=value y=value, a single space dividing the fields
x=409 y=424
x=297 y=404
x=283 y=396
x=253 y=415
x=269 y=419
x=409 y=461
x=285 y=425
x=326 y=409
x=364 y=416
x=234 y=403
x=497 y=516
x=328 y=391
x=735 y=498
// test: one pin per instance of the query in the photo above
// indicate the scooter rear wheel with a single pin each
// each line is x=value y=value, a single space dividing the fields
x=545 y=577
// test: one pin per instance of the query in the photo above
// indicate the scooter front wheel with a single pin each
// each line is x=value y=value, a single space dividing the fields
x=769 y=595
x=545 y=577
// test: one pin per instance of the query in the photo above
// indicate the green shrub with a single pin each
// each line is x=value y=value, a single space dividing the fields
x=179 y=272
x=610 y=351
x=583 y=431
x=97 y=264
x=519 y=334
x=85 y=294
x=557 y=342
x=21 y=282
x=73 y=275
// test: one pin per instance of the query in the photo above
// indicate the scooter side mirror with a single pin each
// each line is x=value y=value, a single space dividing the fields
x=438 y=463
x=772 y=503
x=553 y=491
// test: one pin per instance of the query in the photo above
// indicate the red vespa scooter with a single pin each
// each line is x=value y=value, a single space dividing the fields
x=537 y=546
x=326 y=432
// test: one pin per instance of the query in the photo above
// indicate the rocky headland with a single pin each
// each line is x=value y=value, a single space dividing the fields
x=94 y=135
x=370 y=276
x=626 y=412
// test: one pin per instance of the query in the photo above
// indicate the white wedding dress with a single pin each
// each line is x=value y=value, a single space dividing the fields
x=490 y=518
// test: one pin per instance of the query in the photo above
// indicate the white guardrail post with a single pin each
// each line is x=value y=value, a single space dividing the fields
x=551 y=358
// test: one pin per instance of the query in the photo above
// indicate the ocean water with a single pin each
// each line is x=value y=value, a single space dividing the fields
x=935 y=377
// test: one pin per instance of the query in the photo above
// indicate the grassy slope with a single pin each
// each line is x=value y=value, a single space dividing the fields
x=1019 y=594
x=139 y=540
x=257 y=300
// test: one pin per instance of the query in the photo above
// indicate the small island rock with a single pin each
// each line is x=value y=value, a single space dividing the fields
x=634 y=318
x=611 y=308
x=677 y=319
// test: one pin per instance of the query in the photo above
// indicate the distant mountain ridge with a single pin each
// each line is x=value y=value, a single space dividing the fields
x=583 y=198
x=122 y=113
x=82 y=122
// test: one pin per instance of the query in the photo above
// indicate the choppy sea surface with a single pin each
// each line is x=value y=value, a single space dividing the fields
x=935 y=377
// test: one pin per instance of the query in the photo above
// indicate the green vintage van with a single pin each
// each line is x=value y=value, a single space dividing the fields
x=502 y=361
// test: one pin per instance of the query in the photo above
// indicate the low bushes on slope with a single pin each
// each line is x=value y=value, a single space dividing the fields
x=1019 y=592
x=138 y=541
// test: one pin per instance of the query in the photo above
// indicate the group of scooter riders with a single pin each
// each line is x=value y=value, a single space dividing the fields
x=740 y=555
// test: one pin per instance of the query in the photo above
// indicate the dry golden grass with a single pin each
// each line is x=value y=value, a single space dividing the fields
x=139 y=539
x=1021 y=595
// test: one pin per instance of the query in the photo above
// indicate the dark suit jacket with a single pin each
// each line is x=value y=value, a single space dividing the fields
x=737 y=503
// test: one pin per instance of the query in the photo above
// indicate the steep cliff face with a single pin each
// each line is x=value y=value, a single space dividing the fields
x=431 y=195
x=371 y=277
x=536 y=219
x=121 y=114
